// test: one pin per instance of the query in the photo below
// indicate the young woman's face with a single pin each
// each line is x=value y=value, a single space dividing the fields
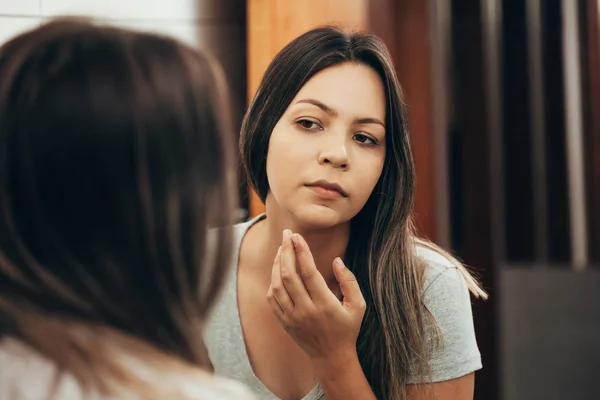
x=327 y=151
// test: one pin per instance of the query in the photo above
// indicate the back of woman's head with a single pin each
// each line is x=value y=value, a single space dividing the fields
x=114 y=160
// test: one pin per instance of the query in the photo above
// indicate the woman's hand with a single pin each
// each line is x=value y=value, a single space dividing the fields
x=324 y=327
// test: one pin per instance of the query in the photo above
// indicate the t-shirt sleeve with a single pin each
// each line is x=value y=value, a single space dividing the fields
x=456 y=354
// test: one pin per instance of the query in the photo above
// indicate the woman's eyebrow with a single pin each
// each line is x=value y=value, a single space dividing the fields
x=333 y=112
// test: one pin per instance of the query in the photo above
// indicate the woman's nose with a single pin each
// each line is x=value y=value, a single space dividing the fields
x=335 y=153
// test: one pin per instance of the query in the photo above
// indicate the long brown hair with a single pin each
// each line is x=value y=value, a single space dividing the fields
x=382 y=246
x=115 y=159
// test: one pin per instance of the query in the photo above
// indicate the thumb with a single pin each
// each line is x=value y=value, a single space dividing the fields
x=353 y=298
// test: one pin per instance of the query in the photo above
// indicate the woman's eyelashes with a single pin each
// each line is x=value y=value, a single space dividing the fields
x=311 y=125
x=365 y=139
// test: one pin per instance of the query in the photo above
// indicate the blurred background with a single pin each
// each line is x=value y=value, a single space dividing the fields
x=504 y=110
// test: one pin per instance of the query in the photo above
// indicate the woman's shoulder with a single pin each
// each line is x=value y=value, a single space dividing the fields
x=442 y=267
x=438 y=267
x=210 y=387
x=445 y=288
x=25 y=374
x=446 y=296
x=202 y=385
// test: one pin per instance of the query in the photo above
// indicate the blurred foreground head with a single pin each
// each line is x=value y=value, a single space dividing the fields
x=114 y=161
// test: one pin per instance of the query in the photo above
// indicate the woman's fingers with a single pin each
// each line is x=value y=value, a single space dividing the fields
x=308 y=272
x=353 y=298
x=277 y=290
x=275 y=307
x=292 y=281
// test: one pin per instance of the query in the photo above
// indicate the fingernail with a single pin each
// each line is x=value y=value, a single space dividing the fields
x=339 y=263
x=286 y=234
x=296 y=239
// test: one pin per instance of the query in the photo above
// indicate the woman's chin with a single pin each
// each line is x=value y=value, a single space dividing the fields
x=316 y=216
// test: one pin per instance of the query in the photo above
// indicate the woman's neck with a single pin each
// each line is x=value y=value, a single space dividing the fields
x=325 y=244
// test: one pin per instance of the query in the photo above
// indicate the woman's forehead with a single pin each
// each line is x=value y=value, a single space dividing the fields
x=348 y=88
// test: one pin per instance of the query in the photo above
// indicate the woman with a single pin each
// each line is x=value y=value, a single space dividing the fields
x=114 y=161
x=326 y=146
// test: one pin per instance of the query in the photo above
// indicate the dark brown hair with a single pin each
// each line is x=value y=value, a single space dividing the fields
x=392 y=344
x=115 y=159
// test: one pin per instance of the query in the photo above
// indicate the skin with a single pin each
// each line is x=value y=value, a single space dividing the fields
x=306 y=328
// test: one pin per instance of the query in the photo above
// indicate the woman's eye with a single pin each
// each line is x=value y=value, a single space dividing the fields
x=308 y=125
x=364 y=139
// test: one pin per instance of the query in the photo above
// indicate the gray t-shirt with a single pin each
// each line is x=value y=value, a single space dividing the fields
x=446 y=296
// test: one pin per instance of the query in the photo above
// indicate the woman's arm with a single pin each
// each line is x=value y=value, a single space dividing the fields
x=342 y=377
x=455 y=389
